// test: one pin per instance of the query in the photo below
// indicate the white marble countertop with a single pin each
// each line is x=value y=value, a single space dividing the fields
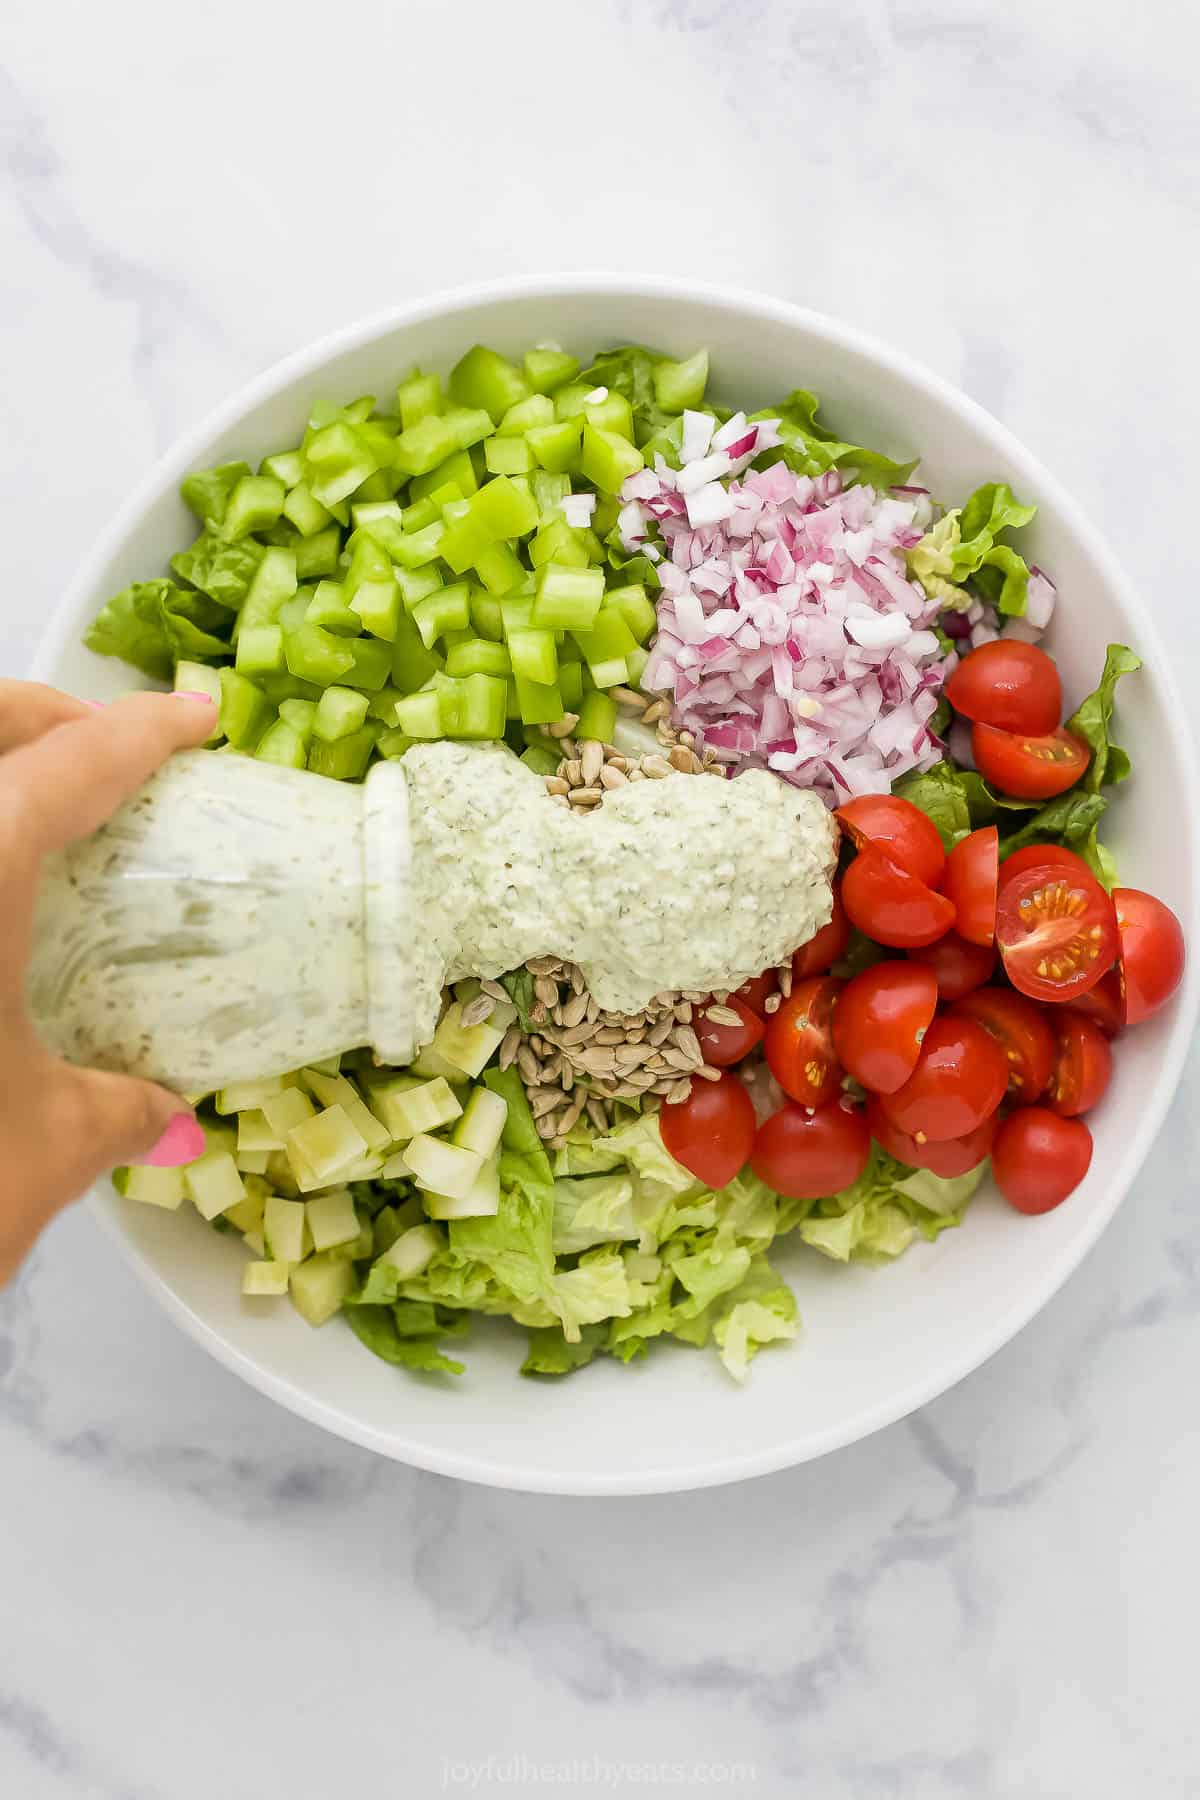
x=204 y=1596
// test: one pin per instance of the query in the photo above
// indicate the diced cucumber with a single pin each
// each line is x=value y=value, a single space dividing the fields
x=318 y=555
x=479 y=656
x=469 y=1048
x=538 y=703
x=392 y=1221
x=483 y=378
x=499 y=569
x=414 y=1250
x=275 y=580
x=371 y=667
x=285 y=1110
x=330 y=609
x=283 y=1228
x=378 y=605
x=417 y=398
x=214 y=1183
x=316 y=655
x=339 y=711
x=481 y=1201
x=320 y=1285
x=508 y=456
x=155 y=1187
x=408 y=1106
x=608 y=458
x=336 y=1090
x=331 y=1218
x=395 y=1168
x=442 y=1168
x=534 y=656
x=261 y=1279
x=200 y=678
x=322 y=1146
x=547 y=369
x=681 y=384
x=419 y=716
x=251 y=1162
x=253 y=1132
x=482 y=1124
x=597 y=717
x=255 y=503
x=281 y=1175
x=245 y=710
x=300 y=715
x=345 y=760
x=247 y=1215
x=282 y=745
x=207 y=491
x=635 y=608
x=537 y=410
x=457 y=471
x=244 y=1096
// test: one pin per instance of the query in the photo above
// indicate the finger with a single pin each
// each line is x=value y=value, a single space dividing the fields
x=111 y=1120
x=83 y=1124
x=28 y=709
x=68 y=782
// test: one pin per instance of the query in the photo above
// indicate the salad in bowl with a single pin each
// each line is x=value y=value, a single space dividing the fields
x=628 y=593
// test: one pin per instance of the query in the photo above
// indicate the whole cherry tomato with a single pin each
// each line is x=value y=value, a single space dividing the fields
x=1008 y=684
x=1082 y=1065
x=890 y=905
x=1023 y=1032
x=1038 y=1158
x=948 y=1157
x=806 y=1155
x=724 y=1044
x=711 y=1132
x=957 y=966
x=880 y=1023
x=1152 y=952
x=799 y=1041
x=960 y=1079
x=1056 y=930
x=970 y=881
x=827 y=946
x=898 y=828
x=758 y=990
x=1026 y=766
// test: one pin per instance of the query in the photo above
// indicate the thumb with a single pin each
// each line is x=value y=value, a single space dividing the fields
x=130 y=1121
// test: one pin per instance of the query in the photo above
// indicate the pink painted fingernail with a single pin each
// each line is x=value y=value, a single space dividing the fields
x=183 y=694
x=182 y=1142
x=99 y=705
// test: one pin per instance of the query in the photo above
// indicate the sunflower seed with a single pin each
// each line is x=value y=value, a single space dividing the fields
x=563 y=727
x=591 y=762
x=679 y=1059
x=658 y=1034
x=785 y=980
x=611 y=777
x=528 y=1064
x=561 y=800
x=636 y=775
x=573 y=1009
x=546 y=990
x=681 y=759
x=654 y=712
x=685 y=1039
x=679 y=1090
x=597 y=1061
x=724 y=1015
x=555 y=784
x=537 y=1012
x=656 y=767
x=572 y=773
x=708 y=1074
x=773 y=1003
x=547 y=1127
x=596 y=1113
x=544 y=965
x=509 y=1046
x=586 y=796
x=544 y=1100
x=479 y=1009
x=578 y=984
x=494 y=989
x=582 y=1033
x=626 y=697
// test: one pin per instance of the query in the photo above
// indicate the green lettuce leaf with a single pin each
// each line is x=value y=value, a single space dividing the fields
x=517 y=1244
x=549 y=1353
x=1093 y=717
x=962 y=546
x=596 y=1288
x=207 y=491
x=811 y=448
x=640 y=1145
x=222 y=571
x=591 y=1210
x=942 y=795
x=378 y=1329
x=1069 y=819
x=154 y=624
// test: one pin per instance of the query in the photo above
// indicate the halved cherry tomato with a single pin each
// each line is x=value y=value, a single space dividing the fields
x=1038 y=1158
x=1152 y=952
x=711 y=1132
x=1105 y=1003
x=880 y=1023
x=948 y=1158
x=724 y=1045
x=898 y=828
x=960 y=1078
x=1082 y=1065
x=1022 y=1031
x=969 y=883
x=957 y=966
x=1026 y=766
x=1011 y=685
x=799 y=1041
x=806 y=1155
x=822 y=951
x=1040 y=856
x=758 y=990
x=891 y=905
x=1056 y=930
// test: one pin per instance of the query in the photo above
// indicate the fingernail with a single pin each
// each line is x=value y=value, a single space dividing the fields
x=183 y=694
x=99 y=705
x=182 y=1142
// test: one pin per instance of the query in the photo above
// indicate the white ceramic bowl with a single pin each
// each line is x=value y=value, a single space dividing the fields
x=875 y=1343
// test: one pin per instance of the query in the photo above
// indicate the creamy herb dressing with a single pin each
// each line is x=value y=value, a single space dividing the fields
x=238 y=919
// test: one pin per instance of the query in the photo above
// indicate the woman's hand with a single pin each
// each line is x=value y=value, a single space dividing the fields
x=65 y=767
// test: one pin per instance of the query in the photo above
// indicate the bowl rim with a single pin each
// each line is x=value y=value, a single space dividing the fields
x=719 y=1468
